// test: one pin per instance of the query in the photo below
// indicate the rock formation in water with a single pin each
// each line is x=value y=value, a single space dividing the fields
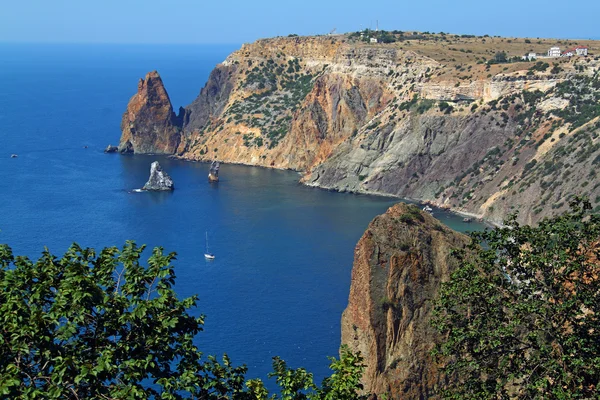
x=149 y=125
x=425 y=118
x=399 y=264
x=159 y=180
x=111 y=149
x=213 y=173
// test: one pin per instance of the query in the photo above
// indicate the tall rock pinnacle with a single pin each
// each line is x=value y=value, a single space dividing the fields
x=399 y=265
x=149 y=125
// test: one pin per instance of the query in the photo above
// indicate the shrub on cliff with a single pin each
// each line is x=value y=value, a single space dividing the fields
x=101 y=325
x=522 y=316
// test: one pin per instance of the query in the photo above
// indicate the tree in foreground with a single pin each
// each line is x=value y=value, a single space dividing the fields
x=103 y=326
x=522 y=315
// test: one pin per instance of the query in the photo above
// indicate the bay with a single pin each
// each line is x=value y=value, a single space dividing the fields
x=281 y=276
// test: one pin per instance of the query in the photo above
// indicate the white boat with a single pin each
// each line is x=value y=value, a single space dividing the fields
x=208 y=255
x=427 y=209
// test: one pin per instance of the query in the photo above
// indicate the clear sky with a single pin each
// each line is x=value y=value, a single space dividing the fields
x=238 y=21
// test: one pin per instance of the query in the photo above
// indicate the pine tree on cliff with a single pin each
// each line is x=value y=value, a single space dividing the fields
x=522 y=315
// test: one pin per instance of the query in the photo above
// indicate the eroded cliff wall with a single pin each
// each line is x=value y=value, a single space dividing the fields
x=399 y=264
x=410 y=119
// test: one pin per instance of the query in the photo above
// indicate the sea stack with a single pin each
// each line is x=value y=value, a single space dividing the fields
x=399 y=265
x=149 y=125
x=159 y=180
x=213 y=174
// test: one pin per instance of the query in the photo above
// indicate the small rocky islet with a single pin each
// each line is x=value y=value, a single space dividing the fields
x=159 y=180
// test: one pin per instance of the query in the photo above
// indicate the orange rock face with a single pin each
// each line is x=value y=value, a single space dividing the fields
x=149 y=125
x=399 y=265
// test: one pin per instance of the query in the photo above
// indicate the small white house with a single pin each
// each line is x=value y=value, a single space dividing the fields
x=554 y=52
x=581 y=50
x=373 y=40
x=529 y=57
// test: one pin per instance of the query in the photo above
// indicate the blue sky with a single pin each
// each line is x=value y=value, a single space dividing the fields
x=233 y=21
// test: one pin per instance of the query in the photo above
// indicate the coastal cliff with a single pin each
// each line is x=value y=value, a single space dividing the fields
x=149 y=125
x=399 y=264
x=428 y=117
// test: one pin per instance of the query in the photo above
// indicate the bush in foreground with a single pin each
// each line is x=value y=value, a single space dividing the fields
x=101 y=325
x=522 y=315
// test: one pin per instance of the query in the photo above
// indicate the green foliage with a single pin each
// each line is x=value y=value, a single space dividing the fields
x=445 y=107
x=343 y=384
x=424 y=105
x=540 y=66
x=500 y=57
x=521 y=317
x=583 y=93
x=278 y=90
x=100 y=325
x=93 y=326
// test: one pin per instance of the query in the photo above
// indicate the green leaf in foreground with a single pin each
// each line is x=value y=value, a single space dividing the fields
x=522 y=316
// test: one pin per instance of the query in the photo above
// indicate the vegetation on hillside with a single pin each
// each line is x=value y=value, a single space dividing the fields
x=279 y=86
x=522 y=315
x=103 y=326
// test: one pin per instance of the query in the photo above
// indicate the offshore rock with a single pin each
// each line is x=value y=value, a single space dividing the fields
x=149 y=125
x=213 y=173
x=111 y=149
x=399 y=264
x=159 y=179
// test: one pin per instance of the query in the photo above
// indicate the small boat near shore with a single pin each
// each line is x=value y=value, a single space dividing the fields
x=428 y=209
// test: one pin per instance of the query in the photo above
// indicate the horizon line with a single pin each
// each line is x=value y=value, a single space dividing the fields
x=60 y=42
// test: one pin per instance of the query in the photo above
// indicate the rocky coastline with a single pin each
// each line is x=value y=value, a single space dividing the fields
x=394 y=120
x=417 y=120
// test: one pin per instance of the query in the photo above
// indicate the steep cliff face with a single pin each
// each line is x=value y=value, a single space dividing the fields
x=526 y=151
x=399 y=264
x=149 y=125
x=287 y=103
x=417 y=118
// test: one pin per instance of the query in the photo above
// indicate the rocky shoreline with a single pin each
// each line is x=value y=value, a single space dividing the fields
x=388 y=121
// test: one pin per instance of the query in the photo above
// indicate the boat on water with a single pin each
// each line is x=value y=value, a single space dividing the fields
x=428 y=209
x=213 y=174
x=13 y=156
x=208 y=255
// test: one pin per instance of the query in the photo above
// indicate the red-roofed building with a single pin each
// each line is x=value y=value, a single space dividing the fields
x=579 y=50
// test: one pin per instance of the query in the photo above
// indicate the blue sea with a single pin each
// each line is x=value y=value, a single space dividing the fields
x=281 y=276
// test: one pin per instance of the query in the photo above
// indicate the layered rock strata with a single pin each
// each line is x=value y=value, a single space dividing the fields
x=398 y=119
x=399 y=264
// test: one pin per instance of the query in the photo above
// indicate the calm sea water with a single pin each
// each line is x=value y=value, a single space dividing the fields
x=284 y=251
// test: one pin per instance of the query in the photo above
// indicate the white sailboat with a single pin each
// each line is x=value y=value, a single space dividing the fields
x=208 y=255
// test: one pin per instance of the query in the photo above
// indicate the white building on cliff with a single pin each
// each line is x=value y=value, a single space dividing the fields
x=554 y=52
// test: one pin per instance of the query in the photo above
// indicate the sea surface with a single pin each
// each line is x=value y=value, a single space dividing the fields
x=281 y=276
